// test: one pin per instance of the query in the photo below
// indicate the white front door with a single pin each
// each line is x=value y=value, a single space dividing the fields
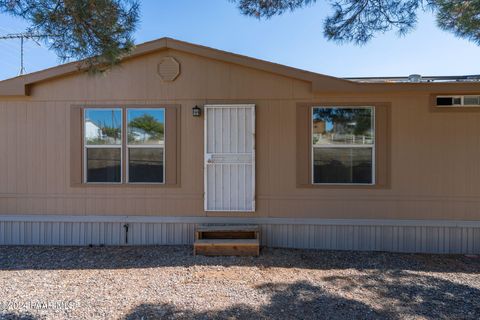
x=230 y=157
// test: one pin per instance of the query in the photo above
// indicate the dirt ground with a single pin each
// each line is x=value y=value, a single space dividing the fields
x=171 y=283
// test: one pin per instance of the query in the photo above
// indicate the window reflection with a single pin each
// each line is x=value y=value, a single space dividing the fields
x=342 y=165
x=104 y=165
x=343 y=145
x=145 y=165
x=342 y=126
x=103 y=126
x=146 y=126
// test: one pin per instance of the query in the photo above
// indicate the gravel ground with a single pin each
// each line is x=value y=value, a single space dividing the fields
x=170 y=283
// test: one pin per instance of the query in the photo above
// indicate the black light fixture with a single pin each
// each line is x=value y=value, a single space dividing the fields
x=196 y=111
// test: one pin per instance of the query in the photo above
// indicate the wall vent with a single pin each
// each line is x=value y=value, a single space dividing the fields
x=168 y=68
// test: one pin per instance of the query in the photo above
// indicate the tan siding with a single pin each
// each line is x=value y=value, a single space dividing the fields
x=173 y=146
x=303 y=150
x=76 y=143
x=3 y=151
x=203 y=79
x=434 y=156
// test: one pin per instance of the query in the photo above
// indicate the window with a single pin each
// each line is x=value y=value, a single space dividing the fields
x=458 y=101
x=145 y=146
x=106 y=142
x=103 y=145
x=343 y=145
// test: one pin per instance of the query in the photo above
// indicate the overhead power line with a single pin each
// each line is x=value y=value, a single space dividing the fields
x=24 y=36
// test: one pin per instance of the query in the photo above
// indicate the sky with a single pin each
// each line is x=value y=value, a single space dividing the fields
x=107 y=116
x=294 y=39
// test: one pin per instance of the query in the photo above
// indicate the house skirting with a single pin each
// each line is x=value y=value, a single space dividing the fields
x=423 y=236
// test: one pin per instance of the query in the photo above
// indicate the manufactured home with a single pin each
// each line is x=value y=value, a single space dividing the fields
x=179 y=135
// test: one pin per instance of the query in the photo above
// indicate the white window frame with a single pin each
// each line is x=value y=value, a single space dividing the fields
x=101 y=146
x=462 y=101
x=340 y=146
x=143 y=146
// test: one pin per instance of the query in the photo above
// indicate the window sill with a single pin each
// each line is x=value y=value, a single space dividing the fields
x=334 y=186
x=124 y=185
x=457 y=106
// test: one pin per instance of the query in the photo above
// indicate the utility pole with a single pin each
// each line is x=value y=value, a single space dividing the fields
x=24 y=36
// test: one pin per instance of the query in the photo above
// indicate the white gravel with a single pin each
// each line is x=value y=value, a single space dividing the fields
x=170 y=283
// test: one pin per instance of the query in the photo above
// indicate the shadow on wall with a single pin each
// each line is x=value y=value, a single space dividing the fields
x=73 y=258
x=408 y=296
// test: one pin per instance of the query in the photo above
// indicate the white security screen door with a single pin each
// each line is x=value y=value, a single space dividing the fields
x=230 y=158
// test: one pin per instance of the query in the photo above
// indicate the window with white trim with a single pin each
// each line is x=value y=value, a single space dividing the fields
x=343 y=145
x=103 y=145
x=107 y=143
x=146 y=145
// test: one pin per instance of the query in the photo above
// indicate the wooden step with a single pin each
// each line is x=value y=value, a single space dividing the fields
x=227 y=227
x=227 y=247
x=227 y=240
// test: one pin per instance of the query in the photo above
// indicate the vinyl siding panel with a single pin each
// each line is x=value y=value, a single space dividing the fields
x=347 y=236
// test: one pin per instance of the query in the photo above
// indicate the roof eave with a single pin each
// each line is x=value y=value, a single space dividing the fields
x=320 y=86
x=13 y=88
x=18 y=85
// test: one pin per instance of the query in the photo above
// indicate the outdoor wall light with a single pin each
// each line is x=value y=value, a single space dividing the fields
x=196 y=111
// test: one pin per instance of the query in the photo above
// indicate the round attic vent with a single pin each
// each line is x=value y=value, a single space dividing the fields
x=168 y=68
